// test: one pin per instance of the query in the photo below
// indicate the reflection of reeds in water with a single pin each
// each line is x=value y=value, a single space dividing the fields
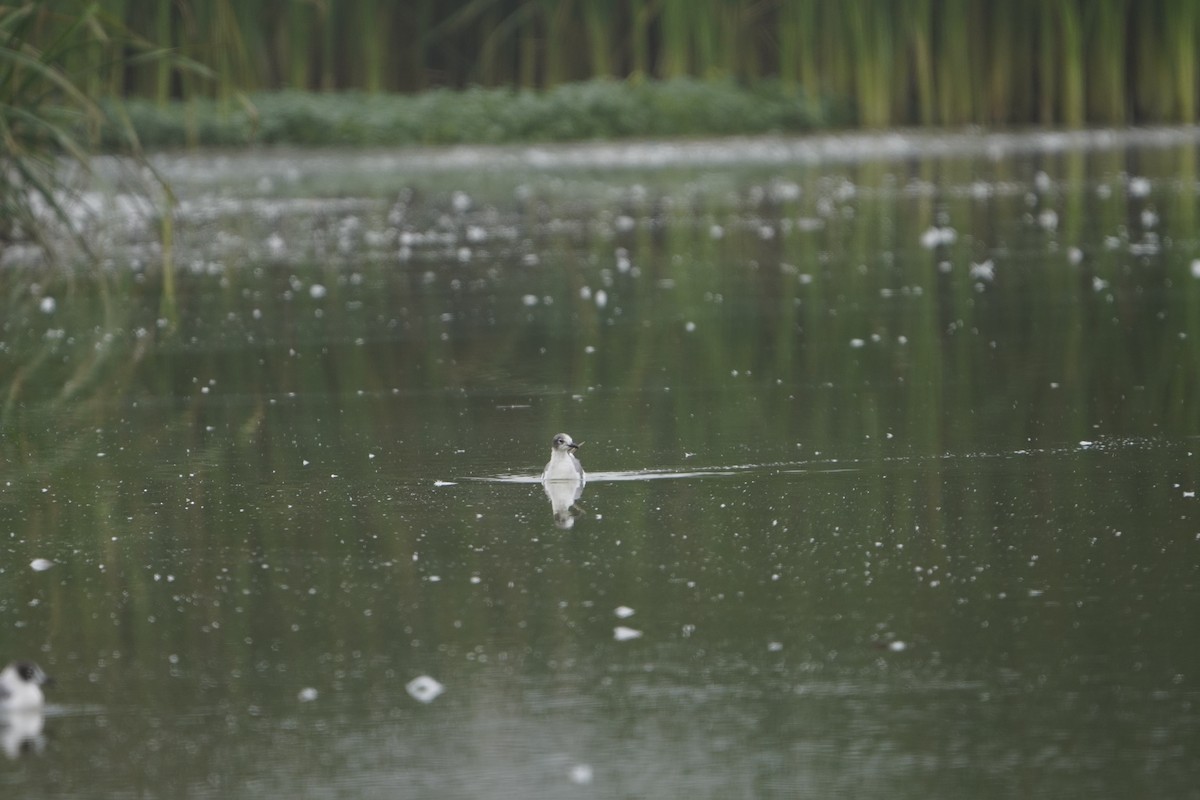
x=776 y=303
x=220 y=545
x=831 y=274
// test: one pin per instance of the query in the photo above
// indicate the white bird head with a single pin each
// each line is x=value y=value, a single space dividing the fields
x=21 y=685
x=562 y=442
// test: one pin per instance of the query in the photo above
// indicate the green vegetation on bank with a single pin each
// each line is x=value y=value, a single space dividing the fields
x=123 y=74
x=895 y=62
x=593 y=110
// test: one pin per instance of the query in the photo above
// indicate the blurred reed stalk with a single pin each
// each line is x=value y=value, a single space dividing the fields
x=56 y=60
x=898 y=62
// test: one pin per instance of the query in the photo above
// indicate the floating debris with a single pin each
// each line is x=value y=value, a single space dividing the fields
x=580 y=774
x=276 y=245
x=1139 y=187
x=424 y=688
x=985 y=271
x=623 y=634
x=935 y=236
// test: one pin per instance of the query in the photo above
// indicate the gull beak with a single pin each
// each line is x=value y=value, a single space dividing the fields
x=574 y=445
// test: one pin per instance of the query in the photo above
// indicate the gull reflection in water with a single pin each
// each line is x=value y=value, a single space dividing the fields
x=563 y=495
x=21 y=702
x=21 y=732
x=563 y=479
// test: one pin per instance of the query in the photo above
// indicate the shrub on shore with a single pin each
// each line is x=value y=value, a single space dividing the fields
x=581 y=111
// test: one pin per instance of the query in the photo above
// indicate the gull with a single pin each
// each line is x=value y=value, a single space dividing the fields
x=21 y=685
x=563 y=479
x=563 y=465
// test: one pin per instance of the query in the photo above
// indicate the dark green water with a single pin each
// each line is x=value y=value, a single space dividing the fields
x=897 y=513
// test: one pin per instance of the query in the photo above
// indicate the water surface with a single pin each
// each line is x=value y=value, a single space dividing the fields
x=892 y=465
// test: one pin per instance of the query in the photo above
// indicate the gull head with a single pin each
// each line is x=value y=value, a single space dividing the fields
x=21 y=685
x=562 y=443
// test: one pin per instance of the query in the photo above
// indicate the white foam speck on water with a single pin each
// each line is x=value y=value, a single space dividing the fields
x=774 y=647
x=445 y=483
x=41 y=564
x=580 y=774
x=307 y=694
x=530 y=300
x=1086 y=444
x=424 y=688
x=316 y=291
x=857 y=343
x=934 y=236
x=1196 y=268
x=985 y=271
x=1139 y=187
x=623 y=612
x=48 y=305
x=897 y=646
x=623 y=634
